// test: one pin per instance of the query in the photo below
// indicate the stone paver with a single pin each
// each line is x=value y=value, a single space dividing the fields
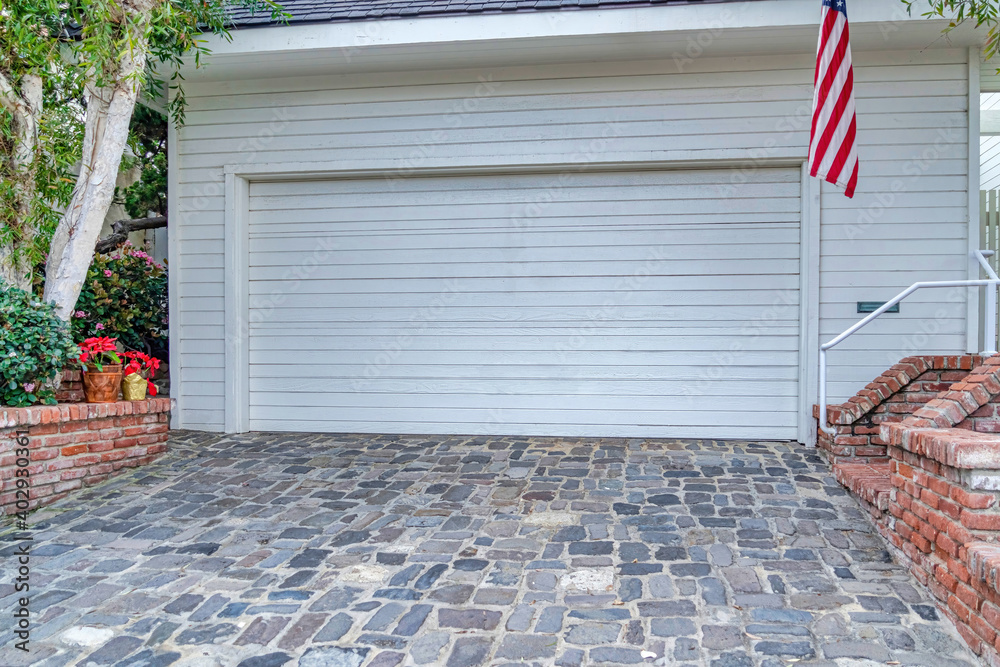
x=329 y=550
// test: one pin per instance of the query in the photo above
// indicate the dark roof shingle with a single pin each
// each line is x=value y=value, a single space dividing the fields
x=324 y=11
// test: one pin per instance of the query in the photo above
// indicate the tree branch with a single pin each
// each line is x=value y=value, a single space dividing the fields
x=120 y=230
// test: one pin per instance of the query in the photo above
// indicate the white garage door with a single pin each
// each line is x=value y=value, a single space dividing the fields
x=646 y=303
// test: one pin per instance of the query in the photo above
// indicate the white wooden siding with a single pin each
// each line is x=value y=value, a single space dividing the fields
x=440 y=307
x=910 y=210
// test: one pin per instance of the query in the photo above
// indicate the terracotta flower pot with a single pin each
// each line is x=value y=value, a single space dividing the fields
x=105 y=368
x=102 y=387
x=134 y=387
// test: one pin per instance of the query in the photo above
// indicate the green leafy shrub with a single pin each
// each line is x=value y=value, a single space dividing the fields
x=34 y=346
x=125 y=296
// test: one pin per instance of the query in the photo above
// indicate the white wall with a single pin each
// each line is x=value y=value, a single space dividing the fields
x=907 y=222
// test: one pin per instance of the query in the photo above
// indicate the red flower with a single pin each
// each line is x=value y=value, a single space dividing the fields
x=99 y=350
x=142 y=363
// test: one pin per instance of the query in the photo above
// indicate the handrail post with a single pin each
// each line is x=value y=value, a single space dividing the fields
x=829 y=430
x=990 y=323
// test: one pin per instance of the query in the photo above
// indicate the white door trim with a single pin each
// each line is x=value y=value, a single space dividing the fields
x=809 y=253
x=237 y=286
x=237 y=308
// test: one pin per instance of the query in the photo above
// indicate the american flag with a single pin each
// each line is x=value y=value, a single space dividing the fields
x=833 y=148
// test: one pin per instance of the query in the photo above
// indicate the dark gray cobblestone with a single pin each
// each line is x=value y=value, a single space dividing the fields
x=376 y=551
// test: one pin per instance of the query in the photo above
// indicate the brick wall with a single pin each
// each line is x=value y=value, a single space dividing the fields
x=79 y=444
x=71 y=388
x=897 y=393
x=936 y=499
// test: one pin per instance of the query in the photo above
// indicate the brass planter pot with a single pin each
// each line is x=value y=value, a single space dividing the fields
x=134 y=387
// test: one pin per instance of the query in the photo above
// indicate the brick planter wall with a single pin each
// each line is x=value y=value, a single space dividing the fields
x=936 y=500
x=71 y=388
x=78 y=444
x=891 y=397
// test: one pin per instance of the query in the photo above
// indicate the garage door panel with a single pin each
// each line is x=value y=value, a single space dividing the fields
x=461 y=420
x=610 y=329
x=668 y=181
x=575 y=430
x=478 y=384
x=362 y=375
x=529 y=357
x=668 y=185
x=319 y=222
x=521 y=402
x=719 y=203
x=517 y=269
x=687 y=315
x=669 y=241
x=670 y=286
x=512 y=249
x=630 y=304
x=557 y=344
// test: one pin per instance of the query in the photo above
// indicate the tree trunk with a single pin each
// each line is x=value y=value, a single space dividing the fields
x=109 y=111
x=26 y=107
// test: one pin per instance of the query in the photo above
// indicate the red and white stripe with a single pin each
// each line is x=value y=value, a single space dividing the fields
x=833 y=148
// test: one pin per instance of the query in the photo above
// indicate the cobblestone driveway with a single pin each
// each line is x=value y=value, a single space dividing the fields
x=267 y=550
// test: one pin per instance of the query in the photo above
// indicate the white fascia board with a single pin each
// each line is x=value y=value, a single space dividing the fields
x=888 y=15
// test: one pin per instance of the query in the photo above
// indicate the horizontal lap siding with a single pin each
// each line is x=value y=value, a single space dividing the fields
x=595 y=112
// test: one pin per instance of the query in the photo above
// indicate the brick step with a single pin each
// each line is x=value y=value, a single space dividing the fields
x=868 y=481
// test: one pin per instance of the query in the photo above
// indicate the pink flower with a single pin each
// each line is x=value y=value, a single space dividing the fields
x=29 y=387
x=99 y=327
x=107 y=272
x=79 y=313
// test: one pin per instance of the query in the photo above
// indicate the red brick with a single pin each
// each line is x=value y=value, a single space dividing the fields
x=947 y=544
x=74 y=450
x=976 y=521
x=951 y=509
x=73 y=473
x=928 y=531
x=959 y=533
x=960 y=610
x=970 y=637
x=113 y=455
x=976 y=501
x=968 y=596
x=930 y=498
x=991 y=614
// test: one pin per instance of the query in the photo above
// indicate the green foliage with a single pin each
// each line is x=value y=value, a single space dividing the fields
x=124 y=296
x=982 y=12
x=59 y=134
x=34 y=346
x=148 y=141
x=73 y=44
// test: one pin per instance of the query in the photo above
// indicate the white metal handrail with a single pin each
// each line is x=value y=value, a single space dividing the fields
x=989 y=322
